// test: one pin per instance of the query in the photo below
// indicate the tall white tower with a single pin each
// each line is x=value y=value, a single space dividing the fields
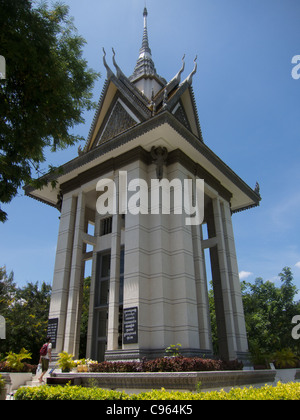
x=149 y=285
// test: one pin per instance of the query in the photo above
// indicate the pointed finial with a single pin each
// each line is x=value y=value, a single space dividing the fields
x=108 y=69
x=190 y=78
x=178 y=75
x=119 y=71
x=145 y=65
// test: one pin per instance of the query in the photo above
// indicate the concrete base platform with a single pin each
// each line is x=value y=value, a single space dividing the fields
x=190 y=381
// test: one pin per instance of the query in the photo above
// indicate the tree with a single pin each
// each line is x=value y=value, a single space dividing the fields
x=213 y=319
x=84 y=317
x=47 y=88
x=269 y=311
x=7 y=290
x=26 y=313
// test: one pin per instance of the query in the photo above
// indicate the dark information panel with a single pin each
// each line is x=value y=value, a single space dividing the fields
x=130 y=334
x=52 y=331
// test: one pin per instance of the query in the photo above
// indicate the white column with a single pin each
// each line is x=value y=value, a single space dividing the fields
x=201 y=291
x=234 y=280
x=75 y=278
x=89 y=349
x=225 y=283
x=114 y=287
x=136 y=280
x=183 y=291
x=60 y=289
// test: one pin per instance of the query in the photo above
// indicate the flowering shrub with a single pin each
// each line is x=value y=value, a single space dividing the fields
x=167 y=364
x=83 y=365
x=116 y=367
x=83 y=361
x=14 y=361
x=27 y=368
x=289 y=391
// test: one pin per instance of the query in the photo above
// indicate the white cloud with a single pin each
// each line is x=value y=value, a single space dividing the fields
x=297 y=264
x=244 y=275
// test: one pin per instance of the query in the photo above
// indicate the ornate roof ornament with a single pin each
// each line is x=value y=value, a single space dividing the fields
x=190 y=77
x=165 y=100
x=119 y=71
x=178 y=75
x=108 y=69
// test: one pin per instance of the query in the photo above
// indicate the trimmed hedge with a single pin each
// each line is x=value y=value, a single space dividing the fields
x=67 y=393
x=167 y=364
x=289 y=391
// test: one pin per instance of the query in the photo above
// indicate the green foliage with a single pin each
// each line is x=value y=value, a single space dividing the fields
x=26 y=313
x=7 y=290
x=59 y=393
x=65 y=361
x=289 y=391
x=14 y=360
x=167 y=364
x=285 y=359
x=84 y=317
x=269 y=311
x=48 y=86
x=174 y=350
x=2 y=384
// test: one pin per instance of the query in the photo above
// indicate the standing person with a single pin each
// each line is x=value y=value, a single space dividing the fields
x=45 y=358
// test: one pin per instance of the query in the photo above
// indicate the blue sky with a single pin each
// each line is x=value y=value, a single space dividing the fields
x=248 y=105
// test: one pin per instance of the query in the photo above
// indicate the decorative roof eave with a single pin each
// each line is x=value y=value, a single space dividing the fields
x=167 y=100
x=127 y=89
x=139 y=130
x=121 y=76
x=96 y=116
x=169 y=87
x=192 y=95
x=252 y=206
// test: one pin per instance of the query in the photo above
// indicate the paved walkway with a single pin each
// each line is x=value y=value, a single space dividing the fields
x=285 y=376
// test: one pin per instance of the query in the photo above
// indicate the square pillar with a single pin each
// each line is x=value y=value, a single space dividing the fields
x=221 y=284
x=61 y=279
x=201 y=291
x=90 y=333
x=77 y=273
x=136 y=279
x=234 y=280
x=114 y=287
